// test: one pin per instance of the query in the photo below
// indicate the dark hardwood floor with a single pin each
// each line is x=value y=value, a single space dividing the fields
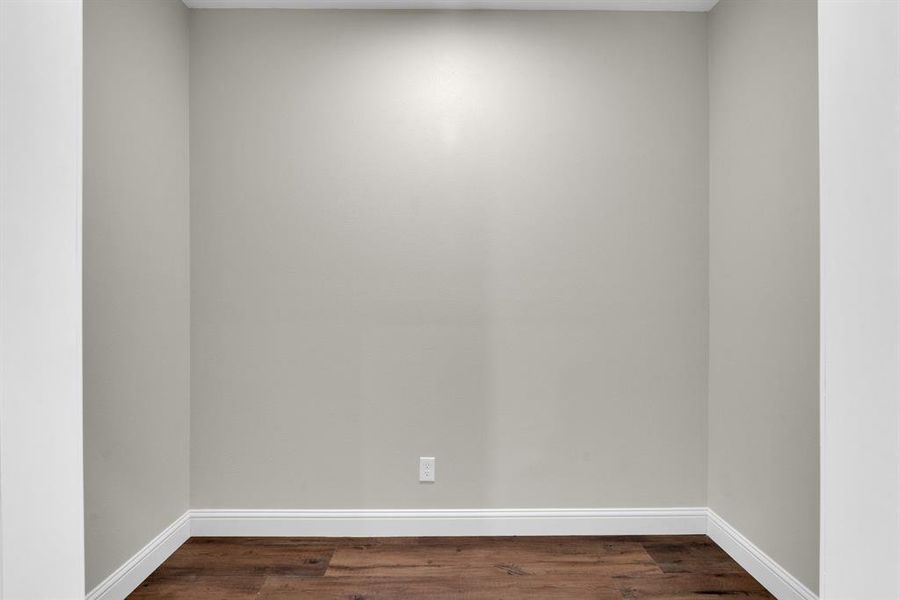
x=483 y=568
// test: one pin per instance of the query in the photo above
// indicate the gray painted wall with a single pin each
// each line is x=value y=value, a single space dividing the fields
x=478 y=235
x=482 y=236
x=763 y=280
x=136 y=275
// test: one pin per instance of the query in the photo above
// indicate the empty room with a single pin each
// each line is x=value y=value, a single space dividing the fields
x=438 y=299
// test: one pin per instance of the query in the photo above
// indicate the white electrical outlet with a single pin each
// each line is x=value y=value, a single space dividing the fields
x=426 y=468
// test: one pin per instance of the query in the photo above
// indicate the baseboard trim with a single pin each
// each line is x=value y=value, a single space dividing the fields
x=760 y=565
x=394 y=523
x=136 y=569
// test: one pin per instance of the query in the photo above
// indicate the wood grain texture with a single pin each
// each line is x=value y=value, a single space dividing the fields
x=486 y=557
x=474 y=568
x=691 y=556
x=250 y=556
x=440 y=587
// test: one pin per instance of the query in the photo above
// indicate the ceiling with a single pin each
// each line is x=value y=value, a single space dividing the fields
x=617 y=5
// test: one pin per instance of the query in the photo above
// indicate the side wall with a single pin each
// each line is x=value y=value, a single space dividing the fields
x=763 y=278
x=136 y=275
x=42 y=538
x=859 y=45
x=475 y=235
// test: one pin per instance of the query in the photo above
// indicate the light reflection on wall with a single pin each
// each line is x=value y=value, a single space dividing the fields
x=443 y=85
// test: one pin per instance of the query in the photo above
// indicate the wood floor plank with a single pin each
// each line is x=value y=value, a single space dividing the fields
x=694 y=556
x=250 y=556
x=437 y=588
x=486 y=557
x=471 y=568
x=691 y=586
x=161 y=586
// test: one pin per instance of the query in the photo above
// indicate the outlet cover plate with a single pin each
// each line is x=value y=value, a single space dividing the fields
x=426 y=469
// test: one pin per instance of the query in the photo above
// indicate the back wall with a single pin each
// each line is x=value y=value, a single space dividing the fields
x=479 y=236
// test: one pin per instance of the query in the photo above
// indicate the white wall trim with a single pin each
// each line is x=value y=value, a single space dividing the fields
x=384 y=523
x=760 y=565
x=474 y=522
x=609 y=5
x=41 y=435
x=136 y=569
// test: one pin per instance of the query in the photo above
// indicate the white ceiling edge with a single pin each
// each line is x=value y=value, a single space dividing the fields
x=608 y=5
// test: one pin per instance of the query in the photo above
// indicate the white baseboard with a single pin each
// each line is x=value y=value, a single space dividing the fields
x=760 y=565
x=136 y=569
x=392 y=523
